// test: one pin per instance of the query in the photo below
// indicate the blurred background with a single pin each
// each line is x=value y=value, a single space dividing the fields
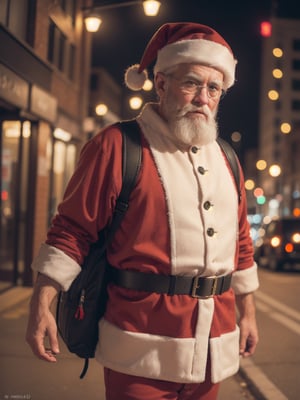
x=62 y=66
x=61 y=81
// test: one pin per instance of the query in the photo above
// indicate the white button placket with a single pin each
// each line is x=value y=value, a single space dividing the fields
x=206 y=203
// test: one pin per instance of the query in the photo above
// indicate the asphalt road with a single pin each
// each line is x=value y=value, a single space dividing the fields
x=278 y=314
x=271 y=374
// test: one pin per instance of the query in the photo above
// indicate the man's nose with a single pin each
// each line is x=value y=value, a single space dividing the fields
x=201 y=96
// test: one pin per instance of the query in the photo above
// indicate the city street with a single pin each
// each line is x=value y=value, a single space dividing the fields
x=25 y=377
x=184 y=73
x=274 y=370
x=278 y=313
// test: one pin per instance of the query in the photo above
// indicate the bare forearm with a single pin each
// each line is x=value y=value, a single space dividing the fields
x=41 y=322
x=246 y=305
x=45 y=290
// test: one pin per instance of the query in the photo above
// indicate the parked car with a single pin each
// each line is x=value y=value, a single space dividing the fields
x=279 y=247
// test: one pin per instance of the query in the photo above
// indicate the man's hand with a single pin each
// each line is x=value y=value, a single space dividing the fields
x=41 y=322
x=247 y=324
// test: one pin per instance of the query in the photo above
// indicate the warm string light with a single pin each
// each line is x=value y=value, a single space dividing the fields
x=93 y=21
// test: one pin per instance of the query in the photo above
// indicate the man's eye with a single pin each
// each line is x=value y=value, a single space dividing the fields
x=213 y=88
x=190 y=84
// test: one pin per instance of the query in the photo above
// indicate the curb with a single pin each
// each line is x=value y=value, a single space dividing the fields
x=258 y=383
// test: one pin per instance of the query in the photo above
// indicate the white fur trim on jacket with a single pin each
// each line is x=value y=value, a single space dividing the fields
x=166 y=358
x=221 y=350
x=154 y=356
x=245 y=281
x=50 y=260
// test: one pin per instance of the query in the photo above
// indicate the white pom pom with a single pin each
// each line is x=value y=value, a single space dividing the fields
x=135 y=80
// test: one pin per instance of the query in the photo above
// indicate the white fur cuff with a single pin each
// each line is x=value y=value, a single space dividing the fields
x=245 y=281
x=56 y=265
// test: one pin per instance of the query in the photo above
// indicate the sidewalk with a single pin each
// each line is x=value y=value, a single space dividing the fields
x=25 y=377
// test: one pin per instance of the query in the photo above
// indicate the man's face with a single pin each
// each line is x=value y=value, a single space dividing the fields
x=189 y=99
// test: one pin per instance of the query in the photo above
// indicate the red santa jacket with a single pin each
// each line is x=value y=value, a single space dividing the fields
x=165 y=231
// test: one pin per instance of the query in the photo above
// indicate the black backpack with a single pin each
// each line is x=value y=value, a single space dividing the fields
x=80 y=308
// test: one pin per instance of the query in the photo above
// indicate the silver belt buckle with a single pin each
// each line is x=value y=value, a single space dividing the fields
x=196 y=286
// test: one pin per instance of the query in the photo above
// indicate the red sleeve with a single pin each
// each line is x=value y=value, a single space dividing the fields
x=90 y=195
x=244 y=255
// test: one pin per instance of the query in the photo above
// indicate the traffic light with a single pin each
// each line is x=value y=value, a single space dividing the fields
x=266 y=29
x=259 y=194
x=260 y=200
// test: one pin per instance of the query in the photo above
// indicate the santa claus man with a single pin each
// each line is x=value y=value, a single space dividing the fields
x=172 y=332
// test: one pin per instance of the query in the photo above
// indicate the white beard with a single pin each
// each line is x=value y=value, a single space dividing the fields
x=190 y=130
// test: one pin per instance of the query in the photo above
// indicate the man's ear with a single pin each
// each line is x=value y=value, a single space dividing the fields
x=160 y=83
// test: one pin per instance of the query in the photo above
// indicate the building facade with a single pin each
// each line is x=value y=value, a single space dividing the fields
x=279 y=130
x=45 y=57
x=105 y=100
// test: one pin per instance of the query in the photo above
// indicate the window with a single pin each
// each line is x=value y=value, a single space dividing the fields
x=296 y=84
x=4 y=12
x=295 y=157
x=51 y=42
x=277 y=105
x=61 y=52
x=277 y=139
x=296 y=105
x=64 y=160
x=16 y=172
x=296 y=44
x=69 y=7
x=296 y=65
x=277 y=122
x=15 y=16
x=278 y=85
x=71 y=60
x=54 y=44
x=276 y=154
x=94 y=82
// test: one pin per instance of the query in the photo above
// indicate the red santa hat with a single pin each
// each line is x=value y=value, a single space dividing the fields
x=184 y=42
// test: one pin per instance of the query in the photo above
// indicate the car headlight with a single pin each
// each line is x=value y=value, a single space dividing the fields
x=296 y=237
x=275 y=241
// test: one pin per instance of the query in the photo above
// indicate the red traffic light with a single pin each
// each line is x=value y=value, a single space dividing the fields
x=266 y=29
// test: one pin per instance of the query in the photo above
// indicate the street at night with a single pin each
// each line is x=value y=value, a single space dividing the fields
x=127 y=115
x=271 y=374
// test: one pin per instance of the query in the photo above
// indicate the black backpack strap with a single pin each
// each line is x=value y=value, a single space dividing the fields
x=132 y=157
x=131 y=163
x=233 y=162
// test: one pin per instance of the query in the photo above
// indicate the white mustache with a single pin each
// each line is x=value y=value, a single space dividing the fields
x=190 y=108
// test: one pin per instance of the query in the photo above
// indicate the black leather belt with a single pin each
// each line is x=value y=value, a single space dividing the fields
x=198 y=286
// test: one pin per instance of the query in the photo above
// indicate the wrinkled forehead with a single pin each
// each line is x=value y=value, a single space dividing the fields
x=196 y=70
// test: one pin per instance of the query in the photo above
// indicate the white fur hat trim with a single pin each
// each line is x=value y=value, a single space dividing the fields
x=200 y=51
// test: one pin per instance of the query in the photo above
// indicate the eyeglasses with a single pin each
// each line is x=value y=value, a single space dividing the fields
x=190 y=86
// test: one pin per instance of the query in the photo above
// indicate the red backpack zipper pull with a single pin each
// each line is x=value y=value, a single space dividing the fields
x=79 y=314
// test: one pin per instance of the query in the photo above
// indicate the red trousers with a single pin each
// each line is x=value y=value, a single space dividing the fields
x=127 y=387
